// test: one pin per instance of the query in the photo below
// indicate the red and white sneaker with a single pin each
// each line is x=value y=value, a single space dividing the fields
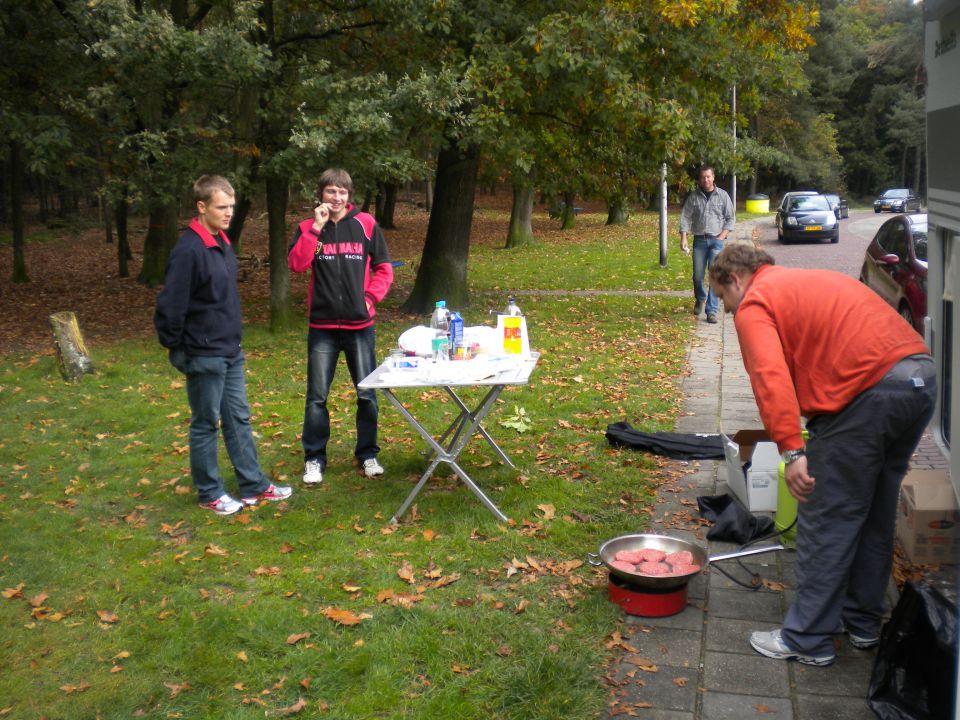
x=272 y=493
x=224 y=505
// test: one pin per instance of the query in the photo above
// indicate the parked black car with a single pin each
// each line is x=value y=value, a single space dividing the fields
x=807 y=217
x=839 y=204
x=897 y=200
x=785 y=200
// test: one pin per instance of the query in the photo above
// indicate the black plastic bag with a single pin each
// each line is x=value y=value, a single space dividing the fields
x=915 y=671
x=732 y=521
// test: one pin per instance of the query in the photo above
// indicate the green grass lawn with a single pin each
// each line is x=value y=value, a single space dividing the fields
x=121 y=598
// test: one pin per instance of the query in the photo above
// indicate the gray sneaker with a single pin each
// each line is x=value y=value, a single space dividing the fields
x=859 y=641
x=862 y=643
x=698 y=308
x=772 y=645
x=712 y=318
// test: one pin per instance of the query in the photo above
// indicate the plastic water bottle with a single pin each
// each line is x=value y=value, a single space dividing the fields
x=439 y=320
x=456 y=334
x=513 y=309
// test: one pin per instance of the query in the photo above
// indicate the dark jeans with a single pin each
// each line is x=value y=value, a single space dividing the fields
x=323 y=351
x=216 y=390
x=858 y=458
x=705 y=249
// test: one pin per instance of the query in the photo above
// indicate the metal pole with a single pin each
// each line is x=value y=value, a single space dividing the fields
x=733 y=180
x=663 y=215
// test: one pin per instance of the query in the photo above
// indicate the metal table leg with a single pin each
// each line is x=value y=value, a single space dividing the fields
x=459 y=424
x=449 y=454
x=465 y=413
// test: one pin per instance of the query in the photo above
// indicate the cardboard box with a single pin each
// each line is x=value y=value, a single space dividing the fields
x=752 y=461
x=928 y=518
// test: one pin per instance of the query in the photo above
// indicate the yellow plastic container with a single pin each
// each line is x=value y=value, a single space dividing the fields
x=758 y=204
x=786 y=507
x=786 y=503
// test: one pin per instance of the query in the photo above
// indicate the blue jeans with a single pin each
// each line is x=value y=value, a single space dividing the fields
x=323 y=352
x=217 y=392
x=705 y=249
x=845 y=530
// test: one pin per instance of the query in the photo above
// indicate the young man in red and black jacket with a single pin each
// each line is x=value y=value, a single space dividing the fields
x=351 y=272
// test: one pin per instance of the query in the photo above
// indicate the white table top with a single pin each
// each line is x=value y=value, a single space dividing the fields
x=490 y=370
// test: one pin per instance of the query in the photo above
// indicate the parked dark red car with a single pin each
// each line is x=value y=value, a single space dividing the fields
x=895 y=266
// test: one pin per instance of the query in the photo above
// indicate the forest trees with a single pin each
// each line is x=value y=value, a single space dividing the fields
x=866 y=77
x=565 y=98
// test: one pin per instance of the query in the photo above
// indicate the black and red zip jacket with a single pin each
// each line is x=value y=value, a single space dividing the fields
x=350 y=265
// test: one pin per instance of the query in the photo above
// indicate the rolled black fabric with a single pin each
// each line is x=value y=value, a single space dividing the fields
x=680 y=446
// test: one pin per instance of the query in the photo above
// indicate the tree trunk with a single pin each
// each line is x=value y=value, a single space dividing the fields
x=161 y=236
x=123 y=243
x=568 y=218
x=378 y=201
x=246 y=165
x=44 y=200
x=385 y=214
x=4 y=191
x=618 y=211
x=72 y=355
x=903 y=166
x=240 y=211
x=520 y=232
x=281 y=313
x=443 y=264
x=16 y=214
x=107 y=221
x=428 y=195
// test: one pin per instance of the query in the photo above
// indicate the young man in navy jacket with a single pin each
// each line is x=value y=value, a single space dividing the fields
x=351 y=272
x=198 y=320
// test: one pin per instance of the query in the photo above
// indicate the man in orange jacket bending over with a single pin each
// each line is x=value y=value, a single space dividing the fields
x=819 y=344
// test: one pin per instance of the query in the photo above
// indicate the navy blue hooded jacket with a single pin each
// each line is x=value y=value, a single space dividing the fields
x=198 y=309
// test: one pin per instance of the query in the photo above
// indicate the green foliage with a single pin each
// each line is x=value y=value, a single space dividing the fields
x=519 y=421
x=122 y=598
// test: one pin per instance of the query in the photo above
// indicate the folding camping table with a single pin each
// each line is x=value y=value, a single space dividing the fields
x=495 y=374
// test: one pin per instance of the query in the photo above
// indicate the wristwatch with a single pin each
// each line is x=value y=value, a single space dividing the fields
x=790 y=456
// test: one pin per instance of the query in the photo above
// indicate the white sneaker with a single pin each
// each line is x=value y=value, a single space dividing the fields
x=224 y=505
x=312 y=472
x=372 y=468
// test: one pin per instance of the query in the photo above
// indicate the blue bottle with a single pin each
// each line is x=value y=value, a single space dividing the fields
x=456 y=333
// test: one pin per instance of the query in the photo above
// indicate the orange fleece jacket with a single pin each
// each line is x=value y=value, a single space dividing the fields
x=812 y=340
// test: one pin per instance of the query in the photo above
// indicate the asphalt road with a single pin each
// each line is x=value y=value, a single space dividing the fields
x=846 y=256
